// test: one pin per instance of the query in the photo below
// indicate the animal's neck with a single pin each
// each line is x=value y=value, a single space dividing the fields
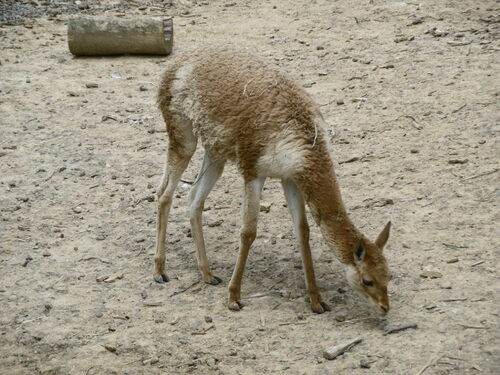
x=322 y=193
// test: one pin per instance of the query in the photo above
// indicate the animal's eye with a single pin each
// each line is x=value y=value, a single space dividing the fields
x=367 y=282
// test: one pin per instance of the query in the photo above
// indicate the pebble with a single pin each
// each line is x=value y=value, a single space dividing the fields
x=77 y=210
x=46 y=253
x=143 y=88
x=265 y=207
x=364 y=364
x=91 y=85
x=445 y=285
x=208 y=319
x=340 y=101
x=110 y=348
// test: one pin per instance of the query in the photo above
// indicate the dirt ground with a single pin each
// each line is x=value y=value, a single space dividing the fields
x=410 y=91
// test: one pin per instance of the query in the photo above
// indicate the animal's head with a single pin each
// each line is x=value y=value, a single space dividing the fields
x=369 y=273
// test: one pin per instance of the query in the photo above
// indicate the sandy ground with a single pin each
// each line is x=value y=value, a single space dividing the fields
x=411 y=93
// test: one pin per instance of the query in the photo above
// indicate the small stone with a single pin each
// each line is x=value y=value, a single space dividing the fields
x=414 y=151
x=265 y=207
x=101 y=278
x=110 y=348
x=341 y=316
x=46 y=253
x=445 y=285
x=91 y=85
x=77 y=210
x=364 y=364
x=417 y=21
x=431 y=275
x=154 y=360
x=340 y=101
x=216 y=223
x=100 y=237
x=458 y=161
x=341 y=290
x=208 y=319
x=452 y=260
x=143 y=88
x=435 y=32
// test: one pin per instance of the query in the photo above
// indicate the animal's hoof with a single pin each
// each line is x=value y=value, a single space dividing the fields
x=235 y=306
x=320 y=308
x=162 y=278
x=214 y=280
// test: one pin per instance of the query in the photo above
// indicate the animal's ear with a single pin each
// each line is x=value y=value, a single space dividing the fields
x=359 y=253
x=383 y=236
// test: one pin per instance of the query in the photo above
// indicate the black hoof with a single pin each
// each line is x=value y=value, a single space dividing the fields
x=215 y=280
x=235 y=306
x=161 y=278
x=326 y=307
x=321 y=308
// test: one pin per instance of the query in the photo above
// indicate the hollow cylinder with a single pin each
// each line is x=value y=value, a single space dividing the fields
x=117 y=36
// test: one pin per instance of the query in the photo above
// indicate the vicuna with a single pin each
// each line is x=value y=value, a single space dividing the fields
x=246 y=111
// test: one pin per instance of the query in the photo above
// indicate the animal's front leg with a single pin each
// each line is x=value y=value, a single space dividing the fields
x=297 y=209
x=250 y=209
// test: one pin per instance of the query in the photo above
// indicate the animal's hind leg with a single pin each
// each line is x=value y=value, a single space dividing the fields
x=180 y=152
x=208 y=176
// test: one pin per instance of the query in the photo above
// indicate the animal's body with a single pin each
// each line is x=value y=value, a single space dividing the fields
x=244 y=110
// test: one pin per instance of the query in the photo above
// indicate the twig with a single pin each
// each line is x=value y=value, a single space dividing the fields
x=358 y=319
x=472 y=327
x=203 y=332
x=458 y=109
x=459 y=299
x=50 y=175
x=399 y=329
x=291 y=323
x=429 y=364
x=185 y=289
x=477 y=263
x=413 y=119
x=455 y=246
x=333 y=352
x=482 y=174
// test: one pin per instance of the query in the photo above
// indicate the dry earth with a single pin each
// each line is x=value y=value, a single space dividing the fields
x=411 y=93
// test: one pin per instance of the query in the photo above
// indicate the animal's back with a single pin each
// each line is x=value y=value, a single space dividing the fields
x=241 y=108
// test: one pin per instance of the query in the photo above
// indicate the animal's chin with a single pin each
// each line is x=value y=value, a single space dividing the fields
x=370 y=301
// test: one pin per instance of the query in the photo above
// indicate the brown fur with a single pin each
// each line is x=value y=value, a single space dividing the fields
x=244 y=110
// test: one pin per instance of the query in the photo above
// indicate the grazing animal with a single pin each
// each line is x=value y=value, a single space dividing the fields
x=246 y=111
